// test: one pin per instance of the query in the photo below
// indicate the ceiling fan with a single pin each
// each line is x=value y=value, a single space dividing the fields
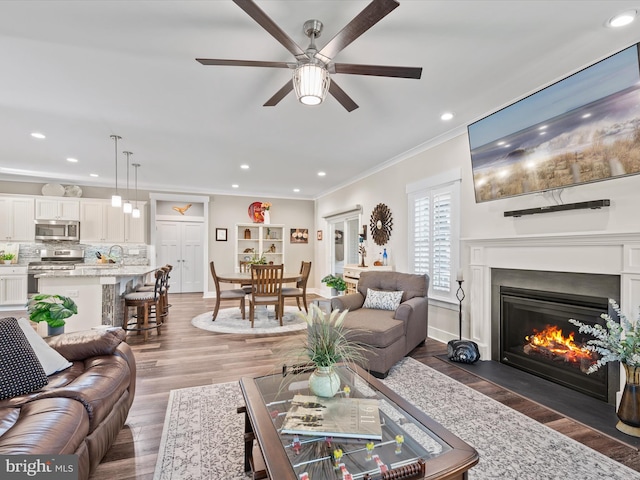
x=311 y=71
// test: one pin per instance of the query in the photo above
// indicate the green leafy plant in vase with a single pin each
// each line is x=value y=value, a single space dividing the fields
x=326 y=344
x=337 y=284
x=53 y=309
x=619 y=342
x=7 y=258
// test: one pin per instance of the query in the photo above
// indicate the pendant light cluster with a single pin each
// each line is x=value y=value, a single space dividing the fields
x=116 y=198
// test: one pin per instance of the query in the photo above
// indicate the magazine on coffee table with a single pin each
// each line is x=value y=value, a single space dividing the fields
x=333 y=417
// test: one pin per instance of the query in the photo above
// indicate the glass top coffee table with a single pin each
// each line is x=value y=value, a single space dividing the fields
x=412 y=446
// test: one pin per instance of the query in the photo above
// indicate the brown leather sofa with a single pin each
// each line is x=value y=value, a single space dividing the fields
x=390 y=334
x=81 y=409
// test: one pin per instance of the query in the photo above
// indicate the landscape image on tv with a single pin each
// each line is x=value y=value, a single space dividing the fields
x=584 y=128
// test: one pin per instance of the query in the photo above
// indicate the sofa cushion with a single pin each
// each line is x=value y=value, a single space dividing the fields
x=381 y=300
x=90 y=343
x=413 y=285
x=20 y=369
x=376 y=328
x=50 y=360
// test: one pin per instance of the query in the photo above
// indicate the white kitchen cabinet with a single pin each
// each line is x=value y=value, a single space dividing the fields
x=17 y=218
x=257 y=239
x=57 y=209
x=13 y=285
x=135 y=228
x=100 y=222
x=181 y=244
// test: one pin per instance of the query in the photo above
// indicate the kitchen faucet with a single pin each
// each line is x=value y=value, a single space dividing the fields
x=121 y=258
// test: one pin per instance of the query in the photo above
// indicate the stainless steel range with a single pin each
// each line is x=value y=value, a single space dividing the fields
x=52 y=260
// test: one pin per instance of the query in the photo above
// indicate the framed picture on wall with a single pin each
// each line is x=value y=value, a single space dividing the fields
x=319 y=235
x=299 y=235
x=221 y=234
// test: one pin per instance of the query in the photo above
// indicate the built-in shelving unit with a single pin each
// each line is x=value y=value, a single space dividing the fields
x=255 y=239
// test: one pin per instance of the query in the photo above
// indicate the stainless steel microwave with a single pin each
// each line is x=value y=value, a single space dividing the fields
x=58 y=230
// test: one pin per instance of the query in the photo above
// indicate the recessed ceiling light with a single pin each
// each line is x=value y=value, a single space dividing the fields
x=235 y=185
x=38 y=135
x=296 y=190
x=72 y=160
x=622 y=19
x=321 y=174
x=446 y=116
x=244 y=167
x=94 y=175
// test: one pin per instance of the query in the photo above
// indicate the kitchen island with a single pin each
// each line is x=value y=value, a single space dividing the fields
x=98 y=291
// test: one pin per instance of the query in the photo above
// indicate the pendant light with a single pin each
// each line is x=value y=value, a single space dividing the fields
x=116 y=199
x=135 y=213
x=127 y=207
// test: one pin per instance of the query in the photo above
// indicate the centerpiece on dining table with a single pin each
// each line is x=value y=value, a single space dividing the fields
x=326 y=345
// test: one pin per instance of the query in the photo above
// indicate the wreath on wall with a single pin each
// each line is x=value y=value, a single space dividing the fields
x=381 y=224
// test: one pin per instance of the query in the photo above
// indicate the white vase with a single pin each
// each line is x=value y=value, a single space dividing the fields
x=324 y=382
x=267 y=217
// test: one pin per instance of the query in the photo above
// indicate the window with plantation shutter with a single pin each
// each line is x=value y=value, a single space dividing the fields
x=434 y=233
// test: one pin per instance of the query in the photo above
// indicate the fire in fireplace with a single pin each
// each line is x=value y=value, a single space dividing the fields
x=536 y=337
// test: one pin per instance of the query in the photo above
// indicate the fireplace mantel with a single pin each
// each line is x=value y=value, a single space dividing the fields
x=598 y=253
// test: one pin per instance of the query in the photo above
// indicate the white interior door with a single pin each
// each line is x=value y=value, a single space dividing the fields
x=181 y=244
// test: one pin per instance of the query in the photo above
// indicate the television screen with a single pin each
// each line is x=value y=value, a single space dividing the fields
x=584 y=128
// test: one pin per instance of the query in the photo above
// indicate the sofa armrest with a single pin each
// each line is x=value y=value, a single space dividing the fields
x=350 y=302
x=91 y=343
x=405 y=309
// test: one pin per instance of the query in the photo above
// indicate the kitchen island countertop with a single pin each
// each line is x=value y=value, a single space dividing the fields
x=99 y=271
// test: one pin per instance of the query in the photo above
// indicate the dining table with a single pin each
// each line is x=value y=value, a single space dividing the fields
x=244 y=278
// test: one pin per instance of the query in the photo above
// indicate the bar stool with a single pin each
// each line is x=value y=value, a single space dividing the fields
x=164 y=292
x=145 y=302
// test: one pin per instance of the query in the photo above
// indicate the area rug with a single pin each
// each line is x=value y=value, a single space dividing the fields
x=229 y=320
x=202 y=436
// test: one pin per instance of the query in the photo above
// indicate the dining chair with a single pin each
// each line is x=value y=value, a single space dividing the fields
x=235 y=293
x=266 y=282
x=300 y=290
x=245 y=267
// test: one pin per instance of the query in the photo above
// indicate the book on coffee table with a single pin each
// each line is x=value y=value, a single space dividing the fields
x=333 y=417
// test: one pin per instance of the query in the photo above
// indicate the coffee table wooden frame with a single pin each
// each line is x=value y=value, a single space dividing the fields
x=451 y=465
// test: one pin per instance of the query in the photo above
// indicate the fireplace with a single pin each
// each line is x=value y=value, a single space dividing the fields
x=536 y=336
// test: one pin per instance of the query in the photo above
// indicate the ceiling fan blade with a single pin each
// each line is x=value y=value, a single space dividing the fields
x=342 y=97
x=280 y=94
x=367 y=18
x=270 y=26
x=377 y=70
x=244 y=63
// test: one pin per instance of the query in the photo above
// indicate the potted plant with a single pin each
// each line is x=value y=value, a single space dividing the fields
x=52 y=309
x=337 y=284
x=325 y=345
x=619 y=342
x=8 y=258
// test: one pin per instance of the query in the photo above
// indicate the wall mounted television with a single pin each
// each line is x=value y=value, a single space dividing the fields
x=582 y=129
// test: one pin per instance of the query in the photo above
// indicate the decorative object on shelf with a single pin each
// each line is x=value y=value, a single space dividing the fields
x=325 y=345
x=385 y=257
x=337 y=284
x=257 y=259
x=182 y=210
x=52 y=309
x=299 y=235
x=266 y=215
x=255 y=212
x=221 y=234
x=463 y=351
x=619 y=342
x=247 y=234
x=319 y=235
x=363 y=254
x=381 y=224
x=272 y=248
x=72 y=191
x=249 y=250
x=53 y=190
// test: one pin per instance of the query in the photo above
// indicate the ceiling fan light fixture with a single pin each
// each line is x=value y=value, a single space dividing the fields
x=311 y=83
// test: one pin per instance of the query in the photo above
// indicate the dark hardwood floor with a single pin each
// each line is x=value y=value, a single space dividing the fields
x=184 y=356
